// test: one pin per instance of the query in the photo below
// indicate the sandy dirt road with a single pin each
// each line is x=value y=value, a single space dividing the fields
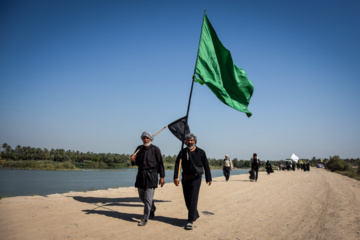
x=284 y=205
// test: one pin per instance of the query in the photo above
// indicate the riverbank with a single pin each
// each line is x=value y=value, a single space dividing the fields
x=284 y=205
x=48 y=165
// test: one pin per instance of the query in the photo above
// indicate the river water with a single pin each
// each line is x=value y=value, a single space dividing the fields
x=37 y=182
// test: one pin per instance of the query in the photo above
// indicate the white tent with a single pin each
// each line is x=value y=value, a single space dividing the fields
x=294 y=157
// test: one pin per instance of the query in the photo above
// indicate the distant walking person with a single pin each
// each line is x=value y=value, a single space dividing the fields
x=227 y=167
x=194 y=164
x=255 y=165
x=149 y=161
x=268 y=167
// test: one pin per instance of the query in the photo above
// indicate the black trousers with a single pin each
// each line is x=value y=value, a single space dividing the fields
x=256 y=173
x=191 y=189
x=227 y=173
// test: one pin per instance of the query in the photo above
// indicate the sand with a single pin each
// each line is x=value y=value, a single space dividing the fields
x=284 y=205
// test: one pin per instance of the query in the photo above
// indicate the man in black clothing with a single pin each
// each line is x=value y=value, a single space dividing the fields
x=193 y=162
x=255 y=165
x=149 y=161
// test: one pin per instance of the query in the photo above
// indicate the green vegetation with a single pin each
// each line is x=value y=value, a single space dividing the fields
x=41 y=165
x=59 y=159
x=347 y=168
x=336 y=164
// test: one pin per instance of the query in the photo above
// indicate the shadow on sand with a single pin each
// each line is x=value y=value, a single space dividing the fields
x=242 y=180
x=102 y=207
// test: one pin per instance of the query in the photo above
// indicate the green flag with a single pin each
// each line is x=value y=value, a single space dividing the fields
x=215 y=68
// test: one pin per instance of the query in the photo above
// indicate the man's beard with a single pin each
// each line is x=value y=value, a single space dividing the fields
x=190 y=146
x=147 y=144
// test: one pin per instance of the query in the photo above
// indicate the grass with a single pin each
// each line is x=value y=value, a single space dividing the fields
x=51 y=165
x=39 y=165
x=352 y=172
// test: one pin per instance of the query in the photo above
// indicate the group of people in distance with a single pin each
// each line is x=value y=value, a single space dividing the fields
x=304 y=166
x=254 y=171
x=194 y=164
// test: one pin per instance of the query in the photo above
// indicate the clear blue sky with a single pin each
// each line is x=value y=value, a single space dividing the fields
x=93 y=75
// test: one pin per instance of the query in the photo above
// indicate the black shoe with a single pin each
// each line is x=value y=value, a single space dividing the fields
x=152 y=213
x=142 y=222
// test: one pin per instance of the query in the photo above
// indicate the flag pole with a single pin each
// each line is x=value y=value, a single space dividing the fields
x=197 y=55
x=154 y=136
x=160 y=130
x=188 y=108
x=193 y=78
x=186 y=122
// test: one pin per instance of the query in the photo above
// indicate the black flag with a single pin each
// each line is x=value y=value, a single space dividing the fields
x=179 y=127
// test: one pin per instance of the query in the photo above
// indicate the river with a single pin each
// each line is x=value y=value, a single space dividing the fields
x=38 y=182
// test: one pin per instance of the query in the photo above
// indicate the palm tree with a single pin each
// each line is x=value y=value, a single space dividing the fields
x=18 y=152
x=46 y=154
x=7 y=152
x=7 y=147
x=4 y=145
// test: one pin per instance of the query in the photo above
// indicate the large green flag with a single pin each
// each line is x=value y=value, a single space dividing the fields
x=215 y=68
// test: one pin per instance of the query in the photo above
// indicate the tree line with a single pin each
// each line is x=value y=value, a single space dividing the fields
x=61 y=155
x=20 y=153
x=111 y=160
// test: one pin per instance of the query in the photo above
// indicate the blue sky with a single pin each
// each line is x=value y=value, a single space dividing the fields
x=93 y=75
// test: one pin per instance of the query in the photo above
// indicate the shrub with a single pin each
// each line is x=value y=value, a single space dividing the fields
x=336 y=164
